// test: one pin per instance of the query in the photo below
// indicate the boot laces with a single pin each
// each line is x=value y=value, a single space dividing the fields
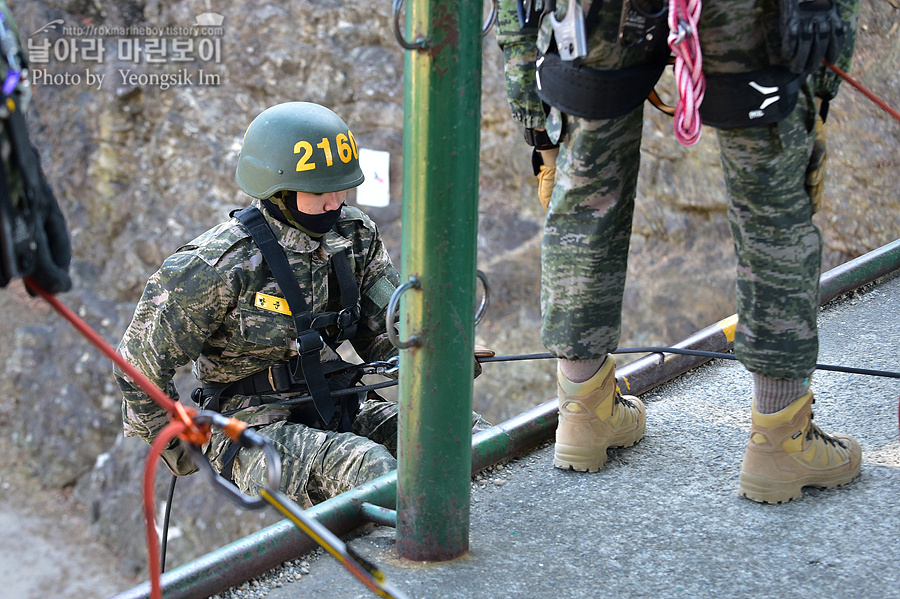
x=814 y=432
x=625 y=402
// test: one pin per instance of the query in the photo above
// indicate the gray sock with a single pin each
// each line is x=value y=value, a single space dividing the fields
x=774 y=395
x=578 y=371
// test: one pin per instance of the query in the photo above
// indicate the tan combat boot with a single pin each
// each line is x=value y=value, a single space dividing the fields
x=787 y=452
x=594 y=416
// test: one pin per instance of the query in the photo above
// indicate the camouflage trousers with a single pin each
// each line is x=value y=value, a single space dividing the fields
x=319 y=464
x=588 y=225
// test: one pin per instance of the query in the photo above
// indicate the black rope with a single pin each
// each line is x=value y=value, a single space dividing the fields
x=691 y=352
x=301 y=399
x=165 y=526
x=546 y=356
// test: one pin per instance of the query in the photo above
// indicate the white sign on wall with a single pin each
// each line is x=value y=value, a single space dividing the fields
x=376 y=189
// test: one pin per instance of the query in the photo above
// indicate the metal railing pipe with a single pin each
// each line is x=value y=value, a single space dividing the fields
x=859 y=271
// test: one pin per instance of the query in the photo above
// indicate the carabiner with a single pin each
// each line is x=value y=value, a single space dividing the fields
x=391 y=368
x=248 y=438
x=684 y=30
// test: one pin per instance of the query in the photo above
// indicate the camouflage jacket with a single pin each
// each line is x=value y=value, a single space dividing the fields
x=200 y=306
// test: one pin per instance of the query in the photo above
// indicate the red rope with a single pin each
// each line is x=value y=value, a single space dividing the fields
x=181 y=425
x=97 y=341
x=168 y=433
x=881 y=104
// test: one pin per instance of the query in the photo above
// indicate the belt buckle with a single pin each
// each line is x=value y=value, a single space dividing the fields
x=271 y=378
x=347 y=317
x=279 y=377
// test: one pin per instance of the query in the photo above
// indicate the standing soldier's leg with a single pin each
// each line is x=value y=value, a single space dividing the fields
x=779 y=253
x=779 y=260
x=584 y=258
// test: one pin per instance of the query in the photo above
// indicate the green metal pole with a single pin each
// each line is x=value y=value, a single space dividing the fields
x=442 y=120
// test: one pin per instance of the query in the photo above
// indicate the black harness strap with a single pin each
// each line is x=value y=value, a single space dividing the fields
x=753 y=99
x=594 y=93
x=349 y=314
x=309 y=341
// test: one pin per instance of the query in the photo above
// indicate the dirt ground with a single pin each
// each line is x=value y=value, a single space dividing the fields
x=47 y=548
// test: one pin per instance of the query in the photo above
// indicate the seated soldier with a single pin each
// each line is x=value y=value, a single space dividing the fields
x=216 y=302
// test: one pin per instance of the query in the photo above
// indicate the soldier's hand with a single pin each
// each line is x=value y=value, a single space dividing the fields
x=543 y=161
x=815 y=171
x=178 y=460
x=481 y=352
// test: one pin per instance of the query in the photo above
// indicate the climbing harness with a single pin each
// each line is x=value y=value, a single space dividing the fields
x=307 y=368
x=595 y=93
x=691 y=82
x=566 y=84
x=812 y=33
x=305 y=372
x=752 y=99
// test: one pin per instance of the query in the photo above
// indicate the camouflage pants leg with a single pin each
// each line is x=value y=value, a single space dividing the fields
x=587 y=234
x=778 y=247
x=378 y=421
x=316 y=464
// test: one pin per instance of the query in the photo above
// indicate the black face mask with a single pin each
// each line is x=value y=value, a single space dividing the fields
x=314 y=225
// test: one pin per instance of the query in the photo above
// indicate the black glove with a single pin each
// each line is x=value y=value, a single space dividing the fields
x=810 y=31
x=34 y=240
x=53 y=251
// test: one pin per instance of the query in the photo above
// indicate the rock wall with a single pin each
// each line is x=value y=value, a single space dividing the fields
x=141 y=166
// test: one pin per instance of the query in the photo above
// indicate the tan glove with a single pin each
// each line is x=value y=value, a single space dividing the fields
x=815 y=172
x=481 y=352
x=546 y=174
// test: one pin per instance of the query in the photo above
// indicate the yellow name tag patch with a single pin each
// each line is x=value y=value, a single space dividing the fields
x=272 y=303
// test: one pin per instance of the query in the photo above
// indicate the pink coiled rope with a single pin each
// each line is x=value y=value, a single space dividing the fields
x=685 y=44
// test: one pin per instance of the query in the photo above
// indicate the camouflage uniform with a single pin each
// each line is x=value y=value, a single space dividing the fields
x=588 y=225
x=200 y=307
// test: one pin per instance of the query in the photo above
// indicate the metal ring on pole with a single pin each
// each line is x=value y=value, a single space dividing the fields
x=420 y=43
x=485 y=299
x=492 y=18
x=412 y=283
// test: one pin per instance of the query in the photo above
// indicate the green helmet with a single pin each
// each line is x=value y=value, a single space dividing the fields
x=298 y=146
